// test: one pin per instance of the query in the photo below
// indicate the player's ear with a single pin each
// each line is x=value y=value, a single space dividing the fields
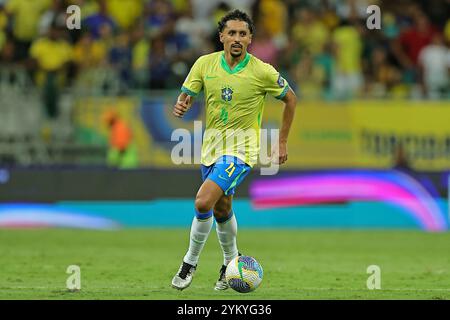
x=221 y=36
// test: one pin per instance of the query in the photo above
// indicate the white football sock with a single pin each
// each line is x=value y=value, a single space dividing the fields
x=199 y=234
x=227 y=232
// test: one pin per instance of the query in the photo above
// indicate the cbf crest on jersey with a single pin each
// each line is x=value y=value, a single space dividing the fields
x=227 y=94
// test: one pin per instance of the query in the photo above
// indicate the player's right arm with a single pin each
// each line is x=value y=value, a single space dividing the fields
x=190 y=89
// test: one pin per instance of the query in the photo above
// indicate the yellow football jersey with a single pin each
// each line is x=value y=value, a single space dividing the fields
x=234 y=100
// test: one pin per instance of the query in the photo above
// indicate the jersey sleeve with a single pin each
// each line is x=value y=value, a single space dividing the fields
x=194 y=80
x=274 y=83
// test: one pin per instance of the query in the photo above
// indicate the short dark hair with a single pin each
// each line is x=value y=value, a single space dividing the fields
x=236 y=15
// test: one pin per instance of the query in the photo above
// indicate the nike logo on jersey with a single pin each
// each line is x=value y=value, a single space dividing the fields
x=220 y=176
x=211 y=77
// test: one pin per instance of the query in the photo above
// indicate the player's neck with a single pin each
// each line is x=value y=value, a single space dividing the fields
x=234 y=61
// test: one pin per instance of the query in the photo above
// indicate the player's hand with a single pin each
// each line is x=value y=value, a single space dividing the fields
x=282 y=153
x=181 y=107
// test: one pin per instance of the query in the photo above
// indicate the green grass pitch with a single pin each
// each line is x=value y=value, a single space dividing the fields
x=298 y=264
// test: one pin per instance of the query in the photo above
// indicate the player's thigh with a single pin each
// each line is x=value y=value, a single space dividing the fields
x=207 y=196
x=223 y=206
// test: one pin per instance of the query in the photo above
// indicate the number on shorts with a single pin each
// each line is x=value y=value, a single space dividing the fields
x=230 y=169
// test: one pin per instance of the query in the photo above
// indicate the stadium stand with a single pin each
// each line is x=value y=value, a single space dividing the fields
x=129 y=48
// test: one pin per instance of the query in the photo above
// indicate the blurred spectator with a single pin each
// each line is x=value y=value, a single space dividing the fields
x=330 y=18
x=160 y=15
x=25 y=16
x=55 y=15
x=152 y=43
x=89 y=55
x=120 y=56
x=436 y=10
x=7 y=52
x=140 y=58
x=352 y=10
x=99 y=21
x=3 y=25
x=177 y=45
x=159 y=65
x=434 y=61
x=125 y=12
x=263 y=46
x=348 y=50
x=447 y=31
x=390 y=27
x=309 y=32
x=219 y=11
x=383 y=76
x=202 y=9
x=89 y=52
x=196 y=31
x=216 y=15
x=169 y=47
x=325 y=64
x=88 y=7
x=273 y=15
x=122 y=151
x=413 y=40
x=51 y=55
x=181 y=6
x=309 y=77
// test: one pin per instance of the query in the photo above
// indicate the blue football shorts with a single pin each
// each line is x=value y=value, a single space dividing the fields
x=228 y=172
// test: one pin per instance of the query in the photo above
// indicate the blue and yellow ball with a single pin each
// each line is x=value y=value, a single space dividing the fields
x=244 y=274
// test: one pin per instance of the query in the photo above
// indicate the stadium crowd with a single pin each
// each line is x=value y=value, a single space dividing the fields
x=323 y=48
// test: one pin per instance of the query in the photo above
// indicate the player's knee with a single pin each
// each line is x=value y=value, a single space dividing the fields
x=220 y=215
x=202 y=205
x=222 y=209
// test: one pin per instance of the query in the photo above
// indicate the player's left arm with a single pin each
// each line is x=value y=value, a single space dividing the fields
x=278 y=87
x=290 y=103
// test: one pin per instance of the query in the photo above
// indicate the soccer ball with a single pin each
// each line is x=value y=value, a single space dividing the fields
x=244 y=274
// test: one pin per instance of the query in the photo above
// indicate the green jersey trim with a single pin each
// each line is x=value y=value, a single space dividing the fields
x=241 y=65
x=283 y=94
x=188 y=92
